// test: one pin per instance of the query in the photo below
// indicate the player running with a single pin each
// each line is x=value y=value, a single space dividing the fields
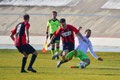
x=54 y=25
x=18 y=35
x=81 y=51
x=67 y=34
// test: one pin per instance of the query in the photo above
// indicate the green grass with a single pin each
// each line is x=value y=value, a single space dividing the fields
x=10 y=65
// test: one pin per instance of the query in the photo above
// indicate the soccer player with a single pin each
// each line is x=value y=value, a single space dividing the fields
x=67 y=34
x=18 y=35
x=54 y=25
x=81 y=50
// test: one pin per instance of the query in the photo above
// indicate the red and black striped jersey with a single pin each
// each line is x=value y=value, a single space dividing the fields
x=19 y=32
x=67 y=34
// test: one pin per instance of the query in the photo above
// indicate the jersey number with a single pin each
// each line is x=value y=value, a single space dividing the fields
x=18 y=29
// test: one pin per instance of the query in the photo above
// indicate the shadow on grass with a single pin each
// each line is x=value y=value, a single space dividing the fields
x=105 y=68
x=110 y=74
x=9 y=67
x=59 y=72
x=106 y=74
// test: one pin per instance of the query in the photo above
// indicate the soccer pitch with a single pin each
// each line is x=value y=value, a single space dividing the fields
x=10 y=65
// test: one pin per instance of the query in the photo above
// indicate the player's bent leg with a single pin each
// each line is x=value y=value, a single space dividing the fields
x=84 y=59
x=35 y=53
x=55 y=55
x=63 y=58
x=25 y=55
x=57 y=52
x=32 y=61
x=53 y=49
x=24 y=60
x=57 y=48
x=64 y=54
x=70 y=54
x=84 y=63
x=87 y=61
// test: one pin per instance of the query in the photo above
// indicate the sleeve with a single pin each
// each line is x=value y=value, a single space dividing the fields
x=74 y=29
x=13 y=31
x=27 y=26
x=57 y=32
x=91 y=50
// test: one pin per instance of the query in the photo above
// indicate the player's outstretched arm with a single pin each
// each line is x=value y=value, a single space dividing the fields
x=47 y=35
x=53 y=37
x=79 y=28
x=80 y=35
x=91 y=50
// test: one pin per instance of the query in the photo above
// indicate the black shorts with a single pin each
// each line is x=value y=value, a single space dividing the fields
x=27 y=48
x=68 y=46
x=57 y=39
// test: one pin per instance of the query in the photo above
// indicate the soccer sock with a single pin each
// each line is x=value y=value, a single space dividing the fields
x=57 y=49
x=52 y=51
x=69 y=55
x=24 y=60
x=77 y=66
x=32 y=60
x=63 y=61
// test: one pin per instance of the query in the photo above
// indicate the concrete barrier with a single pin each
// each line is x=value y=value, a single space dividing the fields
x=99 y=44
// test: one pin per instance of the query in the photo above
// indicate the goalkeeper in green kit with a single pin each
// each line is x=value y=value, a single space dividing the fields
x=81 y=51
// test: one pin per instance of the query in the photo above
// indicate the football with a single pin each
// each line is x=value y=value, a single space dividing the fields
x=82 y=64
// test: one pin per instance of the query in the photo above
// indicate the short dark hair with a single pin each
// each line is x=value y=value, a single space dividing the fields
x=26 y=16
x=62 y=20
x=54 y=12
x=87 y=30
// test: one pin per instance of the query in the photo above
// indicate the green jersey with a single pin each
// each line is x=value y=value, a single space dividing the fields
x=54 y=25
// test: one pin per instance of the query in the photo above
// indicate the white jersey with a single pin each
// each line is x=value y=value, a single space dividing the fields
x=83 y=46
